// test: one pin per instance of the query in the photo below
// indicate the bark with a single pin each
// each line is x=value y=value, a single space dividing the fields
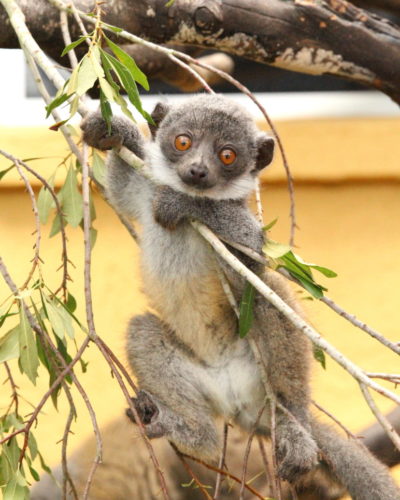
x=310 y=36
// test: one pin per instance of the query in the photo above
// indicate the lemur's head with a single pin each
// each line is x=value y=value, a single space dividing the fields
x=208 y=146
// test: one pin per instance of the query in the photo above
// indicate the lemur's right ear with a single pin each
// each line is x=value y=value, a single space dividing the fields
x=158 y=115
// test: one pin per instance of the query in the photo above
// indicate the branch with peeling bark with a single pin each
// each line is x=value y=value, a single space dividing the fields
x=319 y=37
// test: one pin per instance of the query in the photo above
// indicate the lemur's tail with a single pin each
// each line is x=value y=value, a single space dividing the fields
x=363 y=475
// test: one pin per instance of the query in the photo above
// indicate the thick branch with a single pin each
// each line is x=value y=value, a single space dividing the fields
x=311 y=36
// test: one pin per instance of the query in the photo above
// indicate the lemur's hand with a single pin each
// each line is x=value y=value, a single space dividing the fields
x=168 y=208
x=95 y=132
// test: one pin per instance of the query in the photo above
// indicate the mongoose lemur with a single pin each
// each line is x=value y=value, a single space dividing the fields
x=189 y=361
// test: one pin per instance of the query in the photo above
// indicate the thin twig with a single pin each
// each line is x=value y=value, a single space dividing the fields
x=14 y=390
x=88 y=290
x=337 y=422
x=386 y=425
x=349 y=317
x=268 y=473
x=258 y=201
x=67 y=38
x=66 y=476
x=225 y=473
x=359 y=324
x=390 y=377
x=248 y=448
x=64 y=255
x=191 y=473
x=221 y=463
x=36 y=257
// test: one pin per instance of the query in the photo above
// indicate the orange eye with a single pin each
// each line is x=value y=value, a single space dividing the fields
x=227 y=156
x=183 y=142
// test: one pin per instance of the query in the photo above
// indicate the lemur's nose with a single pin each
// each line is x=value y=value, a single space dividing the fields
x=198 y=172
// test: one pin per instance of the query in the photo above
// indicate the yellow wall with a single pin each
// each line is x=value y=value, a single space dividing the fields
x=348 y=208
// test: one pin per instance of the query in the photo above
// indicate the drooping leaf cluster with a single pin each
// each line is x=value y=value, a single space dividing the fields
x=110 y=71
x=281 y=256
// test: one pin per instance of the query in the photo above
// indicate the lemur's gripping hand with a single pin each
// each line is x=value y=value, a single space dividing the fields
x=123 y=132
x=169 y=207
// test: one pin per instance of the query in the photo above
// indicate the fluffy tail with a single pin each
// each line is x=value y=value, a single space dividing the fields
x=364 y=476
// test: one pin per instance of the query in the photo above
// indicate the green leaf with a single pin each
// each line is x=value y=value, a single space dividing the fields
x=324 y=270
x=45 y=202
x=106 y=111
x=128 y=83
x=72 y=45
x=59 y=317
x=44 y=466
x=56 y=226
x=34 y=473
x=3 y=172
x=5 y=313
x=319 y=355
x=56 y=102
x=54 y=316
x=14 y=491
x=71 y=303
x=28 y=358
x=270 y=225
x=129 y=63
x=246 y=310
x=87 y=75
x=72 y=199
x=93 y=237
x=9 y=345
x=115 y=29
x=32 y=445
x=99 y=168
x=275 y=250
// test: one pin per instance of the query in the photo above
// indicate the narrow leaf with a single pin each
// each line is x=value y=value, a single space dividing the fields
x=29 y=358
x=270 y=225
x=45 y=202
x=275 y=250
x=72 y=199
x=3 y=172
x=72 y=45
x=57 y=101
x=129 y=63
x=99 y=168
x=55 y=319
x=246 y=311
x=9 y=345
x=87 y=75
x=319 y=355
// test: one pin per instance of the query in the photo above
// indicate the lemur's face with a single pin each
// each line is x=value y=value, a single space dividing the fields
x=209 y=147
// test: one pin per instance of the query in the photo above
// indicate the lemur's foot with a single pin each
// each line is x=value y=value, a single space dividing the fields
x=296 y=457
x=148 y=413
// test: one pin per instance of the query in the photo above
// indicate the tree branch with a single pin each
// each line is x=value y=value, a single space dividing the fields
x=318 y=37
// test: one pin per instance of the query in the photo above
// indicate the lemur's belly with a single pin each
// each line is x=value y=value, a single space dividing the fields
x=233 y=385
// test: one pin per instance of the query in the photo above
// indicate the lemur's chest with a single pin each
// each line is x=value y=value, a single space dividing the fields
x=180 y=279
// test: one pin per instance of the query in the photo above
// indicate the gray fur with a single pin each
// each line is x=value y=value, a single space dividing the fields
x=189 y=360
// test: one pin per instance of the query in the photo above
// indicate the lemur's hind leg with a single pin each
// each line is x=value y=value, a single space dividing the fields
x=170 y=402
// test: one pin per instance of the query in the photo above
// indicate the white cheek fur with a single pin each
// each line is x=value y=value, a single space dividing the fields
x=161 y=173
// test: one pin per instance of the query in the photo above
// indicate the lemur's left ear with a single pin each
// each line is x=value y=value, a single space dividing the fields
x=265 y=151
x=158 y=115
